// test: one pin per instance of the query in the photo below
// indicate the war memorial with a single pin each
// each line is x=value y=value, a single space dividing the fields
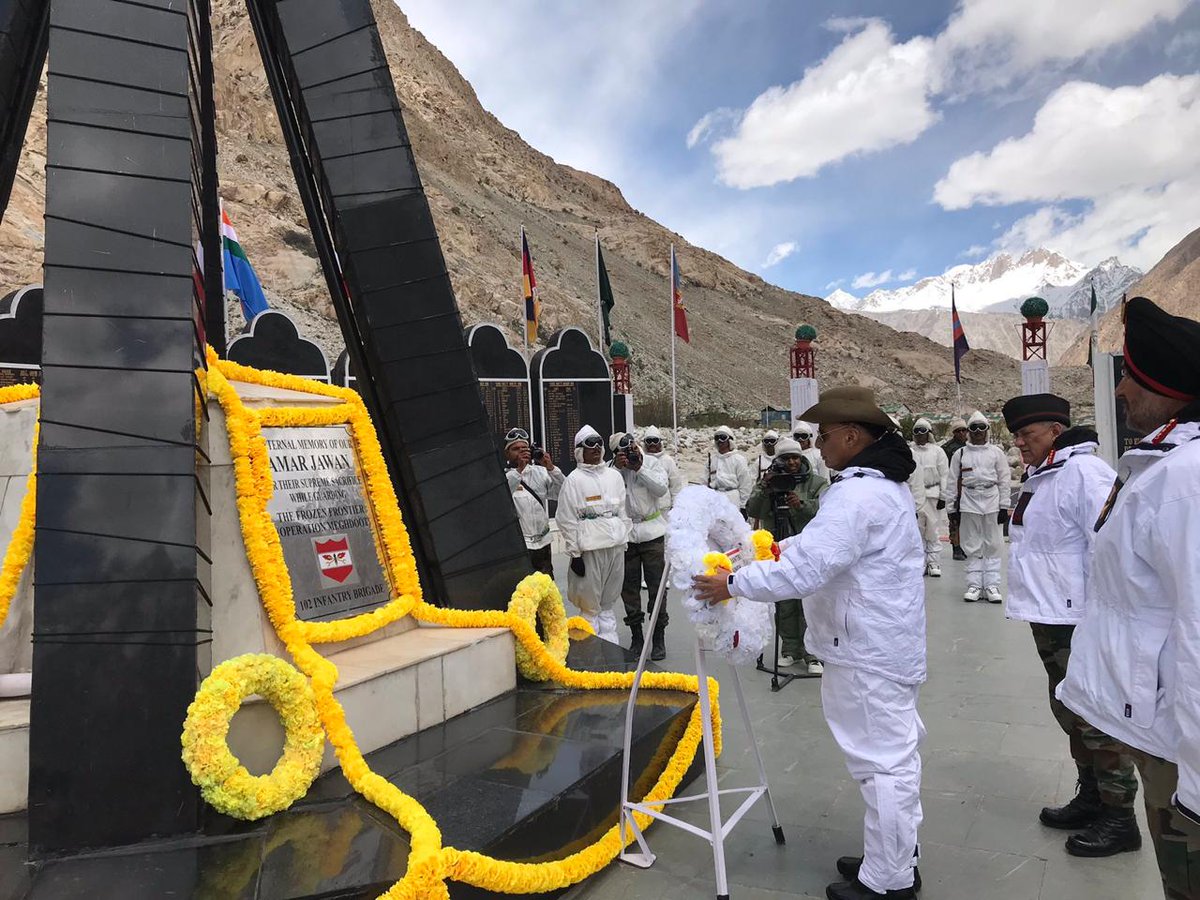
x=267 y=624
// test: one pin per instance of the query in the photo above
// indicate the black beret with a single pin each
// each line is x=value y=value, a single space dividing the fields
x=1029 y=408
x=1162 y=351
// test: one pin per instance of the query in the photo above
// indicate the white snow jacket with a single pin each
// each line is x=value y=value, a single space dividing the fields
x=928 y=480
x=730 y=474
x=644 y=490
x=817 y=461
x=986 y=480
x=532 y=510
x=859 y=565
x=591 y=509
x=1052 y=532
x=1135 y=658
x=674 y=479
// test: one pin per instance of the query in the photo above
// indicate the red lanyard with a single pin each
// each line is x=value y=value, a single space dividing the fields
x=1167 y=429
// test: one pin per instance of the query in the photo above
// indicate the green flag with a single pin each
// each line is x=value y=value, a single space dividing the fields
x=604 y=294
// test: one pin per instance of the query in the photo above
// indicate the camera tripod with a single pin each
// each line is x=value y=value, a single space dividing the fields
x=782 y=530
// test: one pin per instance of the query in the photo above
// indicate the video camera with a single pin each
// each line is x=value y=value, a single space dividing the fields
x=628 y=446
x=780 y=480
x=536 y=453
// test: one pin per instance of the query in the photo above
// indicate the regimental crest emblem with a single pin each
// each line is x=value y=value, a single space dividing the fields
x=334 y=561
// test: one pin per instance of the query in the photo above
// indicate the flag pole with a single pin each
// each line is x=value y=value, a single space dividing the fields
x=599 y=310
x=671 y=310
x=524 y=323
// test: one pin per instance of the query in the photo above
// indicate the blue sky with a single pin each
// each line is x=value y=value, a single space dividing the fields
x=827 y=144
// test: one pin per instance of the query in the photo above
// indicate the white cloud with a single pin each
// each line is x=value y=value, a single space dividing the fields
x=833 y=285
x=1127 y=154
x=907 y=275
x=973 y=252
x=779 y=253
x=872 y=279
x=710 y=122
x=847 y=24
x=867 y=95
x=987 y=43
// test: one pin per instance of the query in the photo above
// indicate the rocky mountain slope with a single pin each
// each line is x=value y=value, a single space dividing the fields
x=985 y=331
x=1174 y=284
x=484 y=182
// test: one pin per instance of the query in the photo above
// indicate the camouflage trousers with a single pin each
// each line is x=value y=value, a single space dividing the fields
x=1092 y=749
x=1176 y=839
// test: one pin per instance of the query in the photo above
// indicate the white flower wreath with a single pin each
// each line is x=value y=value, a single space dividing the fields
x=703 y=521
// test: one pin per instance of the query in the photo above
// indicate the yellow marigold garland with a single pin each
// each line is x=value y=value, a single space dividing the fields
x=223 y=780
x=429 y=862
x=537 y=597
x=20 y=545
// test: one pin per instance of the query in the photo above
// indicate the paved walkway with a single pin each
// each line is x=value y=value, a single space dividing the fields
x=992 y=759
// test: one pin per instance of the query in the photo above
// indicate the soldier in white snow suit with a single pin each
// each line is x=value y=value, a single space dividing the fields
x=858 y=566
x=652 y=443
x=1135 y=657
x=533 y=486
x=1052 y=531
x=645 y=556
x=804 y=434
x=928 y=484
x=595 y=527
x=978 y=497
x=728 y=471
x=766 y=455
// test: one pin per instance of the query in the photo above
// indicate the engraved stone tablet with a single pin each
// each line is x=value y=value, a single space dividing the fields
x=325 y=524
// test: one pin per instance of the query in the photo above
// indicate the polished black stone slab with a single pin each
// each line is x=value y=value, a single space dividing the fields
x=531 y=776
x=21 y=328
x=571 y=387
x=273 y=342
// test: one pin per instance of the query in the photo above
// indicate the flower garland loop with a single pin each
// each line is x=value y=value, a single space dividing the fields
x=430 y=863
x=222 y=779
x=537 y=596
x=20 y=545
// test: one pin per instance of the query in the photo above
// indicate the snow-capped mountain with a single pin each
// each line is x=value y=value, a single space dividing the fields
x=1001 y=283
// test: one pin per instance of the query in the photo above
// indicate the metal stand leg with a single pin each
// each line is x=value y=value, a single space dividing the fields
x=710 y=775
x=776 y=828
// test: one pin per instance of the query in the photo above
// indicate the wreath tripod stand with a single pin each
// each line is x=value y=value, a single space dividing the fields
x=718 y=828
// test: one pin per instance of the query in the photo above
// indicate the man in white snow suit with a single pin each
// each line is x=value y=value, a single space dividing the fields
x=595 y=527
x=958 y=440
x=978 y=497
x=728 y=471
x=1135 y=657
x=1052 y=531
x=766 y=455
x=652 y=445
x=645 y=555
x=858 y=565
x=805 y=435
x=928 y=484
x=533 y=486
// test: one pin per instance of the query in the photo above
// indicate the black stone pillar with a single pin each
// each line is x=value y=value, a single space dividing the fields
x=23 y=26
x=121 y=620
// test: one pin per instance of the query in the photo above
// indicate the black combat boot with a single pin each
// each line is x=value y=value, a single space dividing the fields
x=1081 y=811
x=1114 y=831
x=636 y=640
x=856 y=890
x=959 y=553
x=848 y=867
x=658 y=649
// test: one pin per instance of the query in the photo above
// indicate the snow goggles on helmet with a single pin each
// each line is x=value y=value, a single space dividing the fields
x=592 y=441
x=653 y=440
x=921 y=430
x=626 y=442
x=770 y=440
x=978 y=426
x=722 y=438
x=516 y=434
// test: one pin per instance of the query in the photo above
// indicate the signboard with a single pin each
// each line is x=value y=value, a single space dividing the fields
x=325 y=525
x=1035 y=376
x=804 y=395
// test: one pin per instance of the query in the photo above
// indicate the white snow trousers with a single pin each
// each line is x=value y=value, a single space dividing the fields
x=598 y=591
x=929 y=520
x=981 y=537
x=875 y=722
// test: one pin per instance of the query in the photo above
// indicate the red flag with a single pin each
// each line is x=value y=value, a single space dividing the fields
x=533 y=304
x=961 y=347
x=681 y=323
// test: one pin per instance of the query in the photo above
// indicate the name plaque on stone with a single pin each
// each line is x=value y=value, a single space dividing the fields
x=507 y=404
x=563 y=419
x=324 y=522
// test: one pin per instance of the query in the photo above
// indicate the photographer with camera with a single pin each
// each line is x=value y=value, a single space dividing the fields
x=785 y=501
x=645 y=487
x=728 y=471
x=534 y=481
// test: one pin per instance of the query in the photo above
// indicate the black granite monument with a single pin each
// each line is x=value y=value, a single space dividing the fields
x=572 y=387
x=21 y=336
x=503 y=380
x=273 y=342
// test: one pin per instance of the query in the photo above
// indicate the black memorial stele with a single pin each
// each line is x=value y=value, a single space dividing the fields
x=503 y=380
x=572 y=387
x=21 y=336
x=273 y=342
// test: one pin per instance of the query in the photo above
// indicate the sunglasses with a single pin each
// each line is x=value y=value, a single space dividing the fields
x=770 y=440
x=920 y=431
x=802 y=435
x=722 y=439
x=517 y=434
x=653 y=440
x=592 y=442
x=978 y=427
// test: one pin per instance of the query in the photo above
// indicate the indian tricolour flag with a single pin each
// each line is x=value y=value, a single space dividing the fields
x=239 y=274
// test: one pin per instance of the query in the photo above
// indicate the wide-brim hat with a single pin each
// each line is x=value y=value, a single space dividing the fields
x=847 y=404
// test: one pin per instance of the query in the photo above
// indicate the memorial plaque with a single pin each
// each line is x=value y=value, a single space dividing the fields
x=21 y=336
x=572 y=387
x=503 y=377
x=325 y=523
x=507 y=405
